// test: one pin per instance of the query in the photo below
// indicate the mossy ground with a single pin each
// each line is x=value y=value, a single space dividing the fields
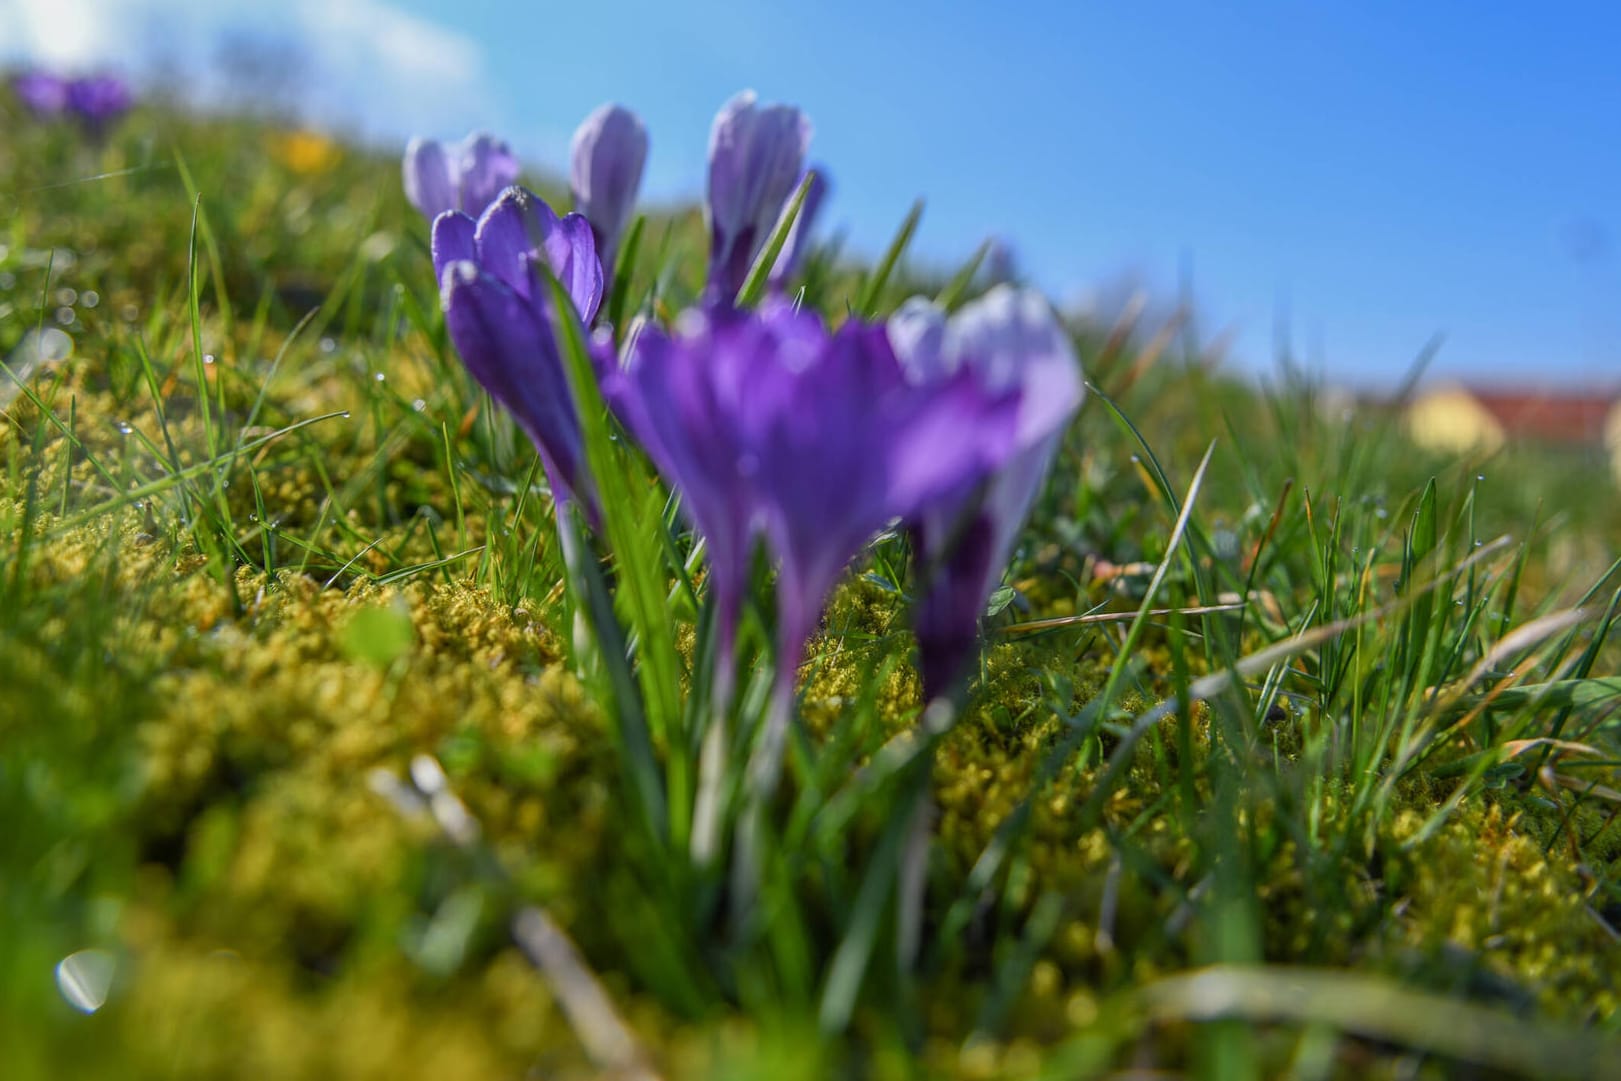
x=209 y=644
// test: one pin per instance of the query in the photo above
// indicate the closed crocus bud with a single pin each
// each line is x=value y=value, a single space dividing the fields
x=756 y=156
x=609 y=152
x=499 y=311
x=963 y=541
x=465 y=176
x=798 y=238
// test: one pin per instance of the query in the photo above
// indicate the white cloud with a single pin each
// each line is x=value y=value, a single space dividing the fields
x=361 y=62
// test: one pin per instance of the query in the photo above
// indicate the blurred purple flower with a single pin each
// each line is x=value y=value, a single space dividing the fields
x=797 y=240
x=768 y=424
x=683 y=398
x=499 y=312
x=756 y=156
x=609 y=151
x=98 y=100
x=44 y=94
x=1011 y=338
x=465 y=176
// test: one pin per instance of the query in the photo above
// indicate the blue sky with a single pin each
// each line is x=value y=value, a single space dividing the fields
x=1380 y=171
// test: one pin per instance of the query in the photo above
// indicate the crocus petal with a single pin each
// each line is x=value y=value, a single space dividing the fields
x=682 y=398
x=520 y=224
x=515 y=225
x=484 y=168
x=507 y=342
x=1010 y=339
x=609 y=152
x=428 y=184
x=917 y=331
x=571 y=251
x=947 y=612
x=756 y=155
x=452 y=241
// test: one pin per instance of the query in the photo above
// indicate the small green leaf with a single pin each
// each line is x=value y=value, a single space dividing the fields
x=999 y=601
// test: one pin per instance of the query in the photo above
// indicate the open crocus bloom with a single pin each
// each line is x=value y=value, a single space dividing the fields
x=500 y=315
x=609 y=151
x=769 y=425
x=1012 y=339
x=465 y=176
x=756 y=156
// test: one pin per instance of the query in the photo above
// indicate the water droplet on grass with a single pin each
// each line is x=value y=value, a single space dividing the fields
x=85 y=977
x=91 y=298
x=123 y=426
x=328 y=345
x=208 y=358
x=380 y=377
x=419 y=405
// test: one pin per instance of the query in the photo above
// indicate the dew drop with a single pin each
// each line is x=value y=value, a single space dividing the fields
x=419 y=405
x=123 y=427
x=208 y=358
x=90 y=298
x=67 y=297
x=380 y=377
x=328 y=345
x=344 y=414
x=1480 y=476
x=65 y=316
x=85 y=977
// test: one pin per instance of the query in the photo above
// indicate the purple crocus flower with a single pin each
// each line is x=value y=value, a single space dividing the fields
x=797 y=241
x=683 y=398
x=963 y=543
x=609 y=151
x=45 y=95
x=465 y=176
x=770 y=425
x=756 y=156
x=98 y=100
x=499 y=312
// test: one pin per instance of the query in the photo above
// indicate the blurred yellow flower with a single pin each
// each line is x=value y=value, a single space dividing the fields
x=305 y=152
